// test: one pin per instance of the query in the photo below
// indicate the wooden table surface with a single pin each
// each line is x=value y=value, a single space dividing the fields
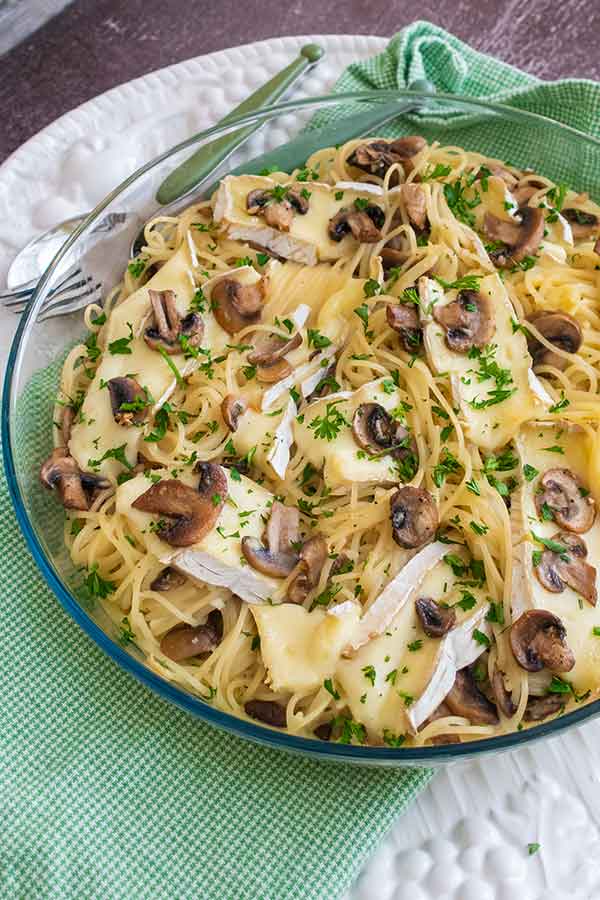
x=93 y=45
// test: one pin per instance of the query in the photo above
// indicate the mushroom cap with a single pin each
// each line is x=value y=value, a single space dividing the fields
x=583 y=224
x=280 y=369
x=277 y=564
x=468 y=320
x=415 y=201
x=561 y=491
x=283 y=528
x=232 y=408
x=502 y=696
x=268 y=348
x=522 y=239
x=279 y=558
x=374 y=429
x=193 y=512
x=236 y=305
x=436 y=621
x=313 y=556
x=164 y=331
x=186 y=641
x=556 y=570
x=256 y=201
x=539 y=708
x=168 y=579
x=126 y=391
x=279 y=215
x=538 y=639
x=377 y=156
x=268 y=711
x=364 y=225
x=404 y=320
x=74 y=486
x=414 y=516
x=560 y=329
x=465 y=699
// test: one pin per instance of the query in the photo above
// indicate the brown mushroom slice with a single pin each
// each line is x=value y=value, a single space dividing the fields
x=556 y=570
x=323 y=731
x=376 y=157
x=187 y=641
x=502 y=696
x=404 y=320
x=279 y=215
x=414 y=516
x=436 y=620
x=522 y=239
x=268 y=711
x=193 y=513
x=539 y=708
x=283 y=528
x=363 y=224
x=236 y=305
x=231 y=409
x=313 y=556
x=277 y=564
x=466 y=700
x=68 y=417
x=269 y=348
x=562 y=492
x=468 y=321
x=164 y=331
x=374 y=429
x=538 y=639
x=583 y=224
x=75 y=487
x=128 y=401
x=393 y=257
x=167 y=580
x=415 y=201
x=558 y=328
x=272 y=374
x=441 y=712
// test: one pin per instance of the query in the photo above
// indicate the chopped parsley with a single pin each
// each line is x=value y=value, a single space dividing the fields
x=117 y=453
x=328 y=685
x=447 y=465
x=371 y=288
x=529 y=472
x=560 y=404
x=349 y=730
x=391 y=739
x=126 y=635
x=481 y=638
x=121 y=345
x=459 y=205
x=370 y=674
x=328 y=427
x=533 y=848
x=137 y=266
x=316 y=339
x=98 y=586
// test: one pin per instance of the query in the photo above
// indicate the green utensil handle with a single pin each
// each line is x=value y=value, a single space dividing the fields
x=207 y=158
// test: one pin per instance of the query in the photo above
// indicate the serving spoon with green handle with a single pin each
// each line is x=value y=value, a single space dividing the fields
x=205 y=160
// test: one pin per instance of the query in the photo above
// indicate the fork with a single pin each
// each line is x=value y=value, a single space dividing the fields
x=75 y=291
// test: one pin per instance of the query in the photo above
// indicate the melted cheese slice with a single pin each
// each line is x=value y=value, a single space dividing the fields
x=300 y=649
x=270 y=436
x=402 y=677
x=492 y=426
x=577 y=615
x=290 y=284
x=336 y=317
x=307 y=241
x=98 y=432
x=339 y=457
x=216 y=559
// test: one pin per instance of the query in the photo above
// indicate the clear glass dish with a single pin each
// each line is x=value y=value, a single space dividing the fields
x=39 y=346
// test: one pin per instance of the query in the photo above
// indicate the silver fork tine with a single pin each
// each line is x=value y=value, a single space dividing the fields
x=82 y=289
x=92 y=295
x=21 y=298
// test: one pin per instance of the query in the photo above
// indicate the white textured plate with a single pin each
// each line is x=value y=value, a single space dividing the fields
x=466 y=838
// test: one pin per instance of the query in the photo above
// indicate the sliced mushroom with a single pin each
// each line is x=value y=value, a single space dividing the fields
x=522 y=194
x=272 y=374
x=364 y=224
x=539 y=708
x=583 y=224
x=342 y=563
x=376 y=157
x=436 y=620
x=404 y=320
x=283 y=528
x=68 y=417
x=277 y=214
x=313 y=556
x=393 y=257
x=521 y=238
x=167 y=580
x=231 y=409
x=128 y=401
x=466 y=700
x=441 y=712
x=276 y=564
x=374 y=429
x=237 y=305
x=558 y=328
x=168 y=326
x=269 y=348
x=186 y=641
x=414 y=517
x=562 y=492
x=538 y=639
x=468 y=320
x=323 y=731
x=502 y=696
x=415 y=201
x=556 y=570
x=268 y=711
x=76 y=488
x=507 y=177
x=193 y=513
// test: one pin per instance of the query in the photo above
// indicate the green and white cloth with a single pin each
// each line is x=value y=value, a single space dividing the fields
x=106 y=791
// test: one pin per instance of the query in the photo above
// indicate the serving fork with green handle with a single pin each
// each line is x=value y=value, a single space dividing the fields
x=78 y=289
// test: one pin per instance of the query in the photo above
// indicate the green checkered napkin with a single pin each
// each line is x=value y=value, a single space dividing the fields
x=107 y=791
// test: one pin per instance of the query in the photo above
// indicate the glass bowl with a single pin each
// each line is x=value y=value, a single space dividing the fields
x=32 y=377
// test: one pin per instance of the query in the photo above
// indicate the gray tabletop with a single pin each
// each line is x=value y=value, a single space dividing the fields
x=93 y=45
